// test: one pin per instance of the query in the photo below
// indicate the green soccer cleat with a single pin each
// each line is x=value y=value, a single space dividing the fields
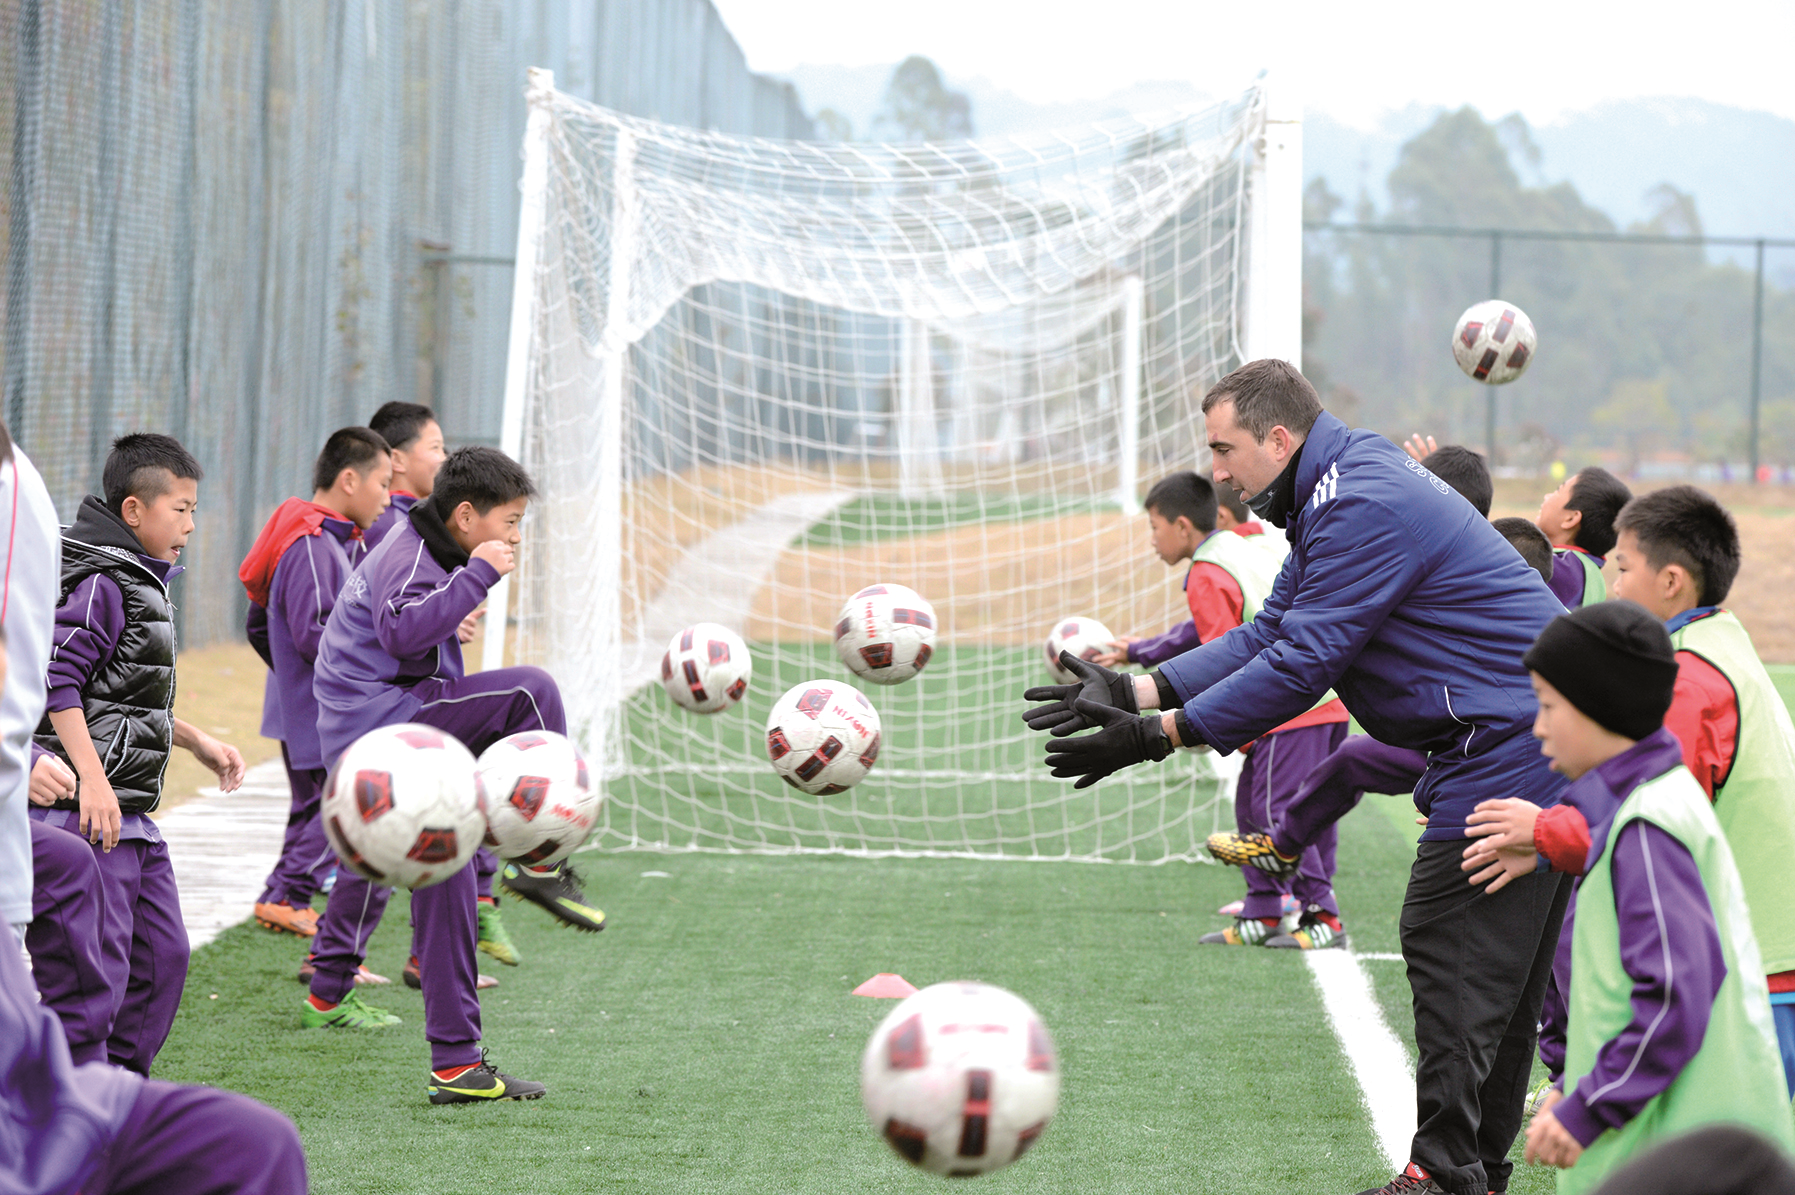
x=557 y=890
x=480 y=1084
x=1315 y=930
x=494 y=940
x=1246 y=931
x=352 y=1013
x=1535 y=1100
x=1252 y=850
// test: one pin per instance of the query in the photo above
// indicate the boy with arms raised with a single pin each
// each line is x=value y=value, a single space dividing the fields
x=389 y=655
x=1676 y=556
x=1228 y=580
x=1578 y=517
x=292 y=575
x=1664 y=1024
x=110 y=719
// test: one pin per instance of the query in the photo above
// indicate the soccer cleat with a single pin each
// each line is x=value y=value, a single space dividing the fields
x=1246 y=931
x=557 y=890
x=1535 y=1099
x=1412 y=1181
x=1251 y=850
x=480 y=1083
x=1315 y=930
x=494 y=940
x=351 y=1013
x=414 y=979
x=284 y=918
x=363 y=976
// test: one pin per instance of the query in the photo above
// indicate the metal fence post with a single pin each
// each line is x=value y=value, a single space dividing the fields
x=1757 y=356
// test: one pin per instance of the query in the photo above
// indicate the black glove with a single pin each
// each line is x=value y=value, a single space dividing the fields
x=1096 y=684
x=1124 y=740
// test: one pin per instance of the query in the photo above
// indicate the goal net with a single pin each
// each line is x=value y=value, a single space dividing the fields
x=752 y=377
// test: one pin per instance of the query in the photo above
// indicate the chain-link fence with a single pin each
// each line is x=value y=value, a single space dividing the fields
x=247 y=222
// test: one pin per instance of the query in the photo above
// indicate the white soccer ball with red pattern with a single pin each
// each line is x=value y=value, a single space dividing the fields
x=885 y=634
x=823 y=737
x=1083 y=637
x=960 y=1079
x=402 y=806
x=706 y=668
x=1494 y=342
x=538 y=797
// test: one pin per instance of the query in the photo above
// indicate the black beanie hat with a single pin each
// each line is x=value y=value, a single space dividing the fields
x=1611 y=660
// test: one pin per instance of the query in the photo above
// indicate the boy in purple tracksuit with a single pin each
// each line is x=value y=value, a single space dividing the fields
x=111 y=720
x=416 y=439
x=390 y=655
x=292 y=575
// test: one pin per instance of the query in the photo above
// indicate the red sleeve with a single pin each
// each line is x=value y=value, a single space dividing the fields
x=1704 y=715
x=1562 y=836
x=1215 y=600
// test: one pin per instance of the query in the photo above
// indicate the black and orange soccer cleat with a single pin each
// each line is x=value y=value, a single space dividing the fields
x=481 y=1083
x=1412 y=1181
x=1251 y=850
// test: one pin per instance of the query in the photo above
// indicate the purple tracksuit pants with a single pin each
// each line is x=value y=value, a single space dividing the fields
x=479 y=710
x=305 y=854
x=1359 y=765
x=68 y=963
x=1269 y=779
x=201 y=1141
x=144 y=943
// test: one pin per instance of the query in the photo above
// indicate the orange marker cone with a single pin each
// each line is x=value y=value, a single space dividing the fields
x=885 y=986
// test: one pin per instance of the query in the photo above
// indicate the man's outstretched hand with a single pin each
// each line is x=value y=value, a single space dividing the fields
x=1123 y=739
x=1095 y=684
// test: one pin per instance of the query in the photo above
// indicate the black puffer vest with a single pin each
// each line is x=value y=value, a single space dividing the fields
x=129 y=700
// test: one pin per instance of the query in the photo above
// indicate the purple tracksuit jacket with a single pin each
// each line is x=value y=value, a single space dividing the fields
x=306 y=582
x=1669 y=1019
x=393 y=625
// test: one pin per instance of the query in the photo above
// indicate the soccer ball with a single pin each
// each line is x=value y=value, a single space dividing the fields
x=960 y=1078
x=1083 y=637
x=402 y=806
x=886 y=634
x=706 y=668
x=537 y=796
x=823 y=737
x=1494 y=342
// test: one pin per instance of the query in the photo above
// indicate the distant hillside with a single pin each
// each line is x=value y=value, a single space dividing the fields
x=1739 y=164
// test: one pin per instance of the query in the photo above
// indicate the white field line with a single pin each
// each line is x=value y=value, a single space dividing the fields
x=1378 y=1060
x=222 y=847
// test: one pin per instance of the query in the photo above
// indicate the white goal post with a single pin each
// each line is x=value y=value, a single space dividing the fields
x=753 y=376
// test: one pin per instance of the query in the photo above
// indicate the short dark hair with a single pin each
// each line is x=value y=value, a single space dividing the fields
x=1237 y=506
x=1529 y=541
x=1683 y=525
x=140 y=466
x=1184 y=495
x=482 y=476
x=1267 y=393
x=1599 y=495
x=399 y=423
x=1465 y=471
x=357 y=448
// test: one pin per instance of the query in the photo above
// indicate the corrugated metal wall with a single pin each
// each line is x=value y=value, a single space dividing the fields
x=247 y=222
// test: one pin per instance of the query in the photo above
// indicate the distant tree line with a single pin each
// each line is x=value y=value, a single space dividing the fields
x=1644 y=351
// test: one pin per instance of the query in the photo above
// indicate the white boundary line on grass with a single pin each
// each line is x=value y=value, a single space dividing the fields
x=1379 y=1063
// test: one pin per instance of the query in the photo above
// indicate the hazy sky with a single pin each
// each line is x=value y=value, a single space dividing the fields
x=1353 y=60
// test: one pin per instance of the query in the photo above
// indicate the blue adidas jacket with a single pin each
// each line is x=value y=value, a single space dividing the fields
x=1407 y=603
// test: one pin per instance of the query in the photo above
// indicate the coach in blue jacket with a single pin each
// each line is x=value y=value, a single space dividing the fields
x=1405 y=601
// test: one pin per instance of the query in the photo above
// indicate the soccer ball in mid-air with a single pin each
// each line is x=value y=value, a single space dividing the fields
x=402 y=806
x=823 y=736
x=885 y=634
x=960 y=1078
x=706 y=668
x=1083 y=637
x=538 y=797
x=1494 y=341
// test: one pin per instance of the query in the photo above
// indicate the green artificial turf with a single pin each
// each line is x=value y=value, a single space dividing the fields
x=873 y=517
x=707 y=1040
